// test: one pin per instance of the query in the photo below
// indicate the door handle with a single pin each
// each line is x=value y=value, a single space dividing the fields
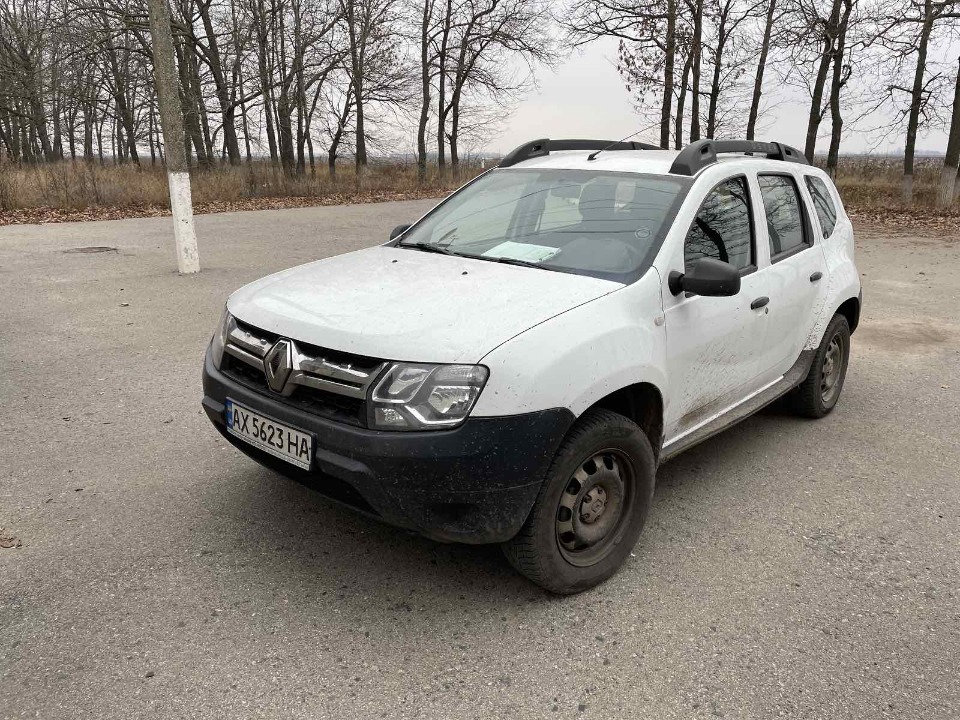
x=816 y=276
x=759 y=302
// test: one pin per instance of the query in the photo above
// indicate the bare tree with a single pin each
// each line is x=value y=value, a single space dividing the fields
x=485 y=33
x=761 y=67
x=648 y=48
x=810 y=36
x=949 y=185
x=908 y=34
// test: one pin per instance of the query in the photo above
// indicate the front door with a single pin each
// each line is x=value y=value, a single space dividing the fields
x=713 y=343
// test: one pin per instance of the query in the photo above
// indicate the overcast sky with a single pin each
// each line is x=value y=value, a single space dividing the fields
x=586 y=98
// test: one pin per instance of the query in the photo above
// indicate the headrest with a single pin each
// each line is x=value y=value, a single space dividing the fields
x=597 y=199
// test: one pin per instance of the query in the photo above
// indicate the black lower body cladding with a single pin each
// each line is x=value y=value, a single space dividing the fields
x=473 y=484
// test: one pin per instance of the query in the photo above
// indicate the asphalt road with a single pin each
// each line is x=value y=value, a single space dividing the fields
x=791 y=568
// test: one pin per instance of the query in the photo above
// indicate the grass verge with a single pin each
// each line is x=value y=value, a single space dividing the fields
x=75 y=191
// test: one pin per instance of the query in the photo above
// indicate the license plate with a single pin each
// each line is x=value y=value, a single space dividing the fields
x=282 y=441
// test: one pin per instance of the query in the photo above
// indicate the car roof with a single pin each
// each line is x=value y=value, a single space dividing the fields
x=653 y=162
x=656 y=162
x=641 y=158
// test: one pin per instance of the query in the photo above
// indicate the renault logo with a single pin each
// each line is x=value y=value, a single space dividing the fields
x=277 y=364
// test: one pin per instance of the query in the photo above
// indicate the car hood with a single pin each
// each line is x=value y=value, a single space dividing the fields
x=398 y=304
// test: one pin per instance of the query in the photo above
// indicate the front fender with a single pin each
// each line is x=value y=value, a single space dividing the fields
x=576 y=358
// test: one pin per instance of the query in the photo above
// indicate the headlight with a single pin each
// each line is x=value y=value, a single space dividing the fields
x=220 y=337
x=422 y=397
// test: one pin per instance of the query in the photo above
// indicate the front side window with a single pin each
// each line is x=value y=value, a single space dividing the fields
x=822 y=203
x=588 y=222
x=781 y=204
x=722 y=228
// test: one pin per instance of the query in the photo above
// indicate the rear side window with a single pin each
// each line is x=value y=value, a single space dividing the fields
x=722 y=228
x=822 y=203
x=781 y=204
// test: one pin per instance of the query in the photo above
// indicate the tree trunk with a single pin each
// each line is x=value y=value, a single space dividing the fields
x=263 y=46
x=454 y=132
x=761 y=65
x=442 y=89
x=916 y=100
x=951 y=161
x=285 y=132
x=357 y=66
x=191 y=115
x=301 y=112
x=332 y=159
x=89 y=120
x=816 y=101
x=246 y=129
x=153 y=152
x=100 y=141
x=722 y=35
x=681 y=101
x=71 y=135
x=697 y=51
x=836 y=117
x=425 y=92
x=227 y=109
x=171 y=123
x=669 y=60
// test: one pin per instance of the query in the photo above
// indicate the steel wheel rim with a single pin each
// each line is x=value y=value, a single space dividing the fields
x=594 y=507
x=832 y=369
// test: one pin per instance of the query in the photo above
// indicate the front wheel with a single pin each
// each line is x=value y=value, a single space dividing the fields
x=591 y=508
x=817 y=395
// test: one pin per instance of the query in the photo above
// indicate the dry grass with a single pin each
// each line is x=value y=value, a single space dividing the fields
x=75 y=191
x=84 y=187
x=873 y=183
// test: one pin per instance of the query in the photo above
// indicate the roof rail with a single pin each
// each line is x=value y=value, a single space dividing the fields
x=540 y=148
x=697 y=155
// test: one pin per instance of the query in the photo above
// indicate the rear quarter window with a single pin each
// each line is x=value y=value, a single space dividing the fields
x=823 y=204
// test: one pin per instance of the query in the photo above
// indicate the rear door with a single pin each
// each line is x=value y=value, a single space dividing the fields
x=713 y=342
x=796 y=276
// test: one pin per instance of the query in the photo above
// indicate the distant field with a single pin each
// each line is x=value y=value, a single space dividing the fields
x=867 y=183
x=78 y=191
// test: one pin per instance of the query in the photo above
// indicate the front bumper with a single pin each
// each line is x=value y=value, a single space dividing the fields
x=472 y=484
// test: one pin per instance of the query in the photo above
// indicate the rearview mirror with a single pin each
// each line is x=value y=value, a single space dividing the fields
x=398 y=231
x=709 y=277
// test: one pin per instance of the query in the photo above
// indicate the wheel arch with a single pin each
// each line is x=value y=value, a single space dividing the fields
x=850 y=309
x=641 y=402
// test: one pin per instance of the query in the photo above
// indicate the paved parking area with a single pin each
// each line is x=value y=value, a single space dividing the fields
x=790 y=568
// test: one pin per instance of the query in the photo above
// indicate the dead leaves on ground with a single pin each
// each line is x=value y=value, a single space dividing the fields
x=9 y=541
x=921 y=220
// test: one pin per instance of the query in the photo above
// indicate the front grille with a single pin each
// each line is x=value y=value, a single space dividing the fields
x=326 y=383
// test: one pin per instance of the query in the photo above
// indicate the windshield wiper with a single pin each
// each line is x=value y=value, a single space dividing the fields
x=428 y=247
x=515 y=261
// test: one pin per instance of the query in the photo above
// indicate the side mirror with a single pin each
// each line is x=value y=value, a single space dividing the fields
x=710 y=277
x=398 y=231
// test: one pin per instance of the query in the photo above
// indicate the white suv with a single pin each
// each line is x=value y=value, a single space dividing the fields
x=512 y=367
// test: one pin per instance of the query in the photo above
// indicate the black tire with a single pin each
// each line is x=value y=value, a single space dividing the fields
x=817 y=395
x=621 y=481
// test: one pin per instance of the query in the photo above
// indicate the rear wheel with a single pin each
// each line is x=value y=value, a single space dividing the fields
x=817 y=395
x=591 y=508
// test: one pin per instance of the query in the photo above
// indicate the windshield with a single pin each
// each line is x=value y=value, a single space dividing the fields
x=602 y=224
